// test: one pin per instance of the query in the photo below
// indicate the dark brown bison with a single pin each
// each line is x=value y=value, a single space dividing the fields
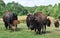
x=56 y=23
x=9 y=19
x=40 y=22
x=29 y=21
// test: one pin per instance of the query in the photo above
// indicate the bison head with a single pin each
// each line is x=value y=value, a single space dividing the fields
x=48 y=22
x=31 y=27
x=56 y=23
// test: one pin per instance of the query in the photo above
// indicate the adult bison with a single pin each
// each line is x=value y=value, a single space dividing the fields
x=10 y=20
x=56 y=23
x=29 y=21
x=40 y=22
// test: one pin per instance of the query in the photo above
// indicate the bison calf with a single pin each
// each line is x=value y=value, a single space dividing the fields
x=15 y=22
x=56 y=23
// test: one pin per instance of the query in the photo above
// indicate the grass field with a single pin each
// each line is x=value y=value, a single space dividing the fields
x=23 y=32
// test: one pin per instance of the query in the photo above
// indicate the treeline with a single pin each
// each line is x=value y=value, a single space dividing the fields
x=49 y=10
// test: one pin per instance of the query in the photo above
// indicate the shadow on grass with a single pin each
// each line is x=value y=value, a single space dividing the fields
x=18 y=29
x=47 y=32
x=57 y=29
x=21 y=29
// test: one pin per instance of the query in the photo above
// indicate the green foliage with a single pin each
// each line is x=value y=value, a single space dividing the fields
x=49 y=10
x=31 y=9
x=40 y=8
x=16 y=8
x=2 y=7
x=13 y=7
x=24 y=12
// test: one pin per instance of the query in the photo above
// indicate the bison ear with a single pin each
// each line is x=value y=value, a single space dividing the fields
x=14 y=14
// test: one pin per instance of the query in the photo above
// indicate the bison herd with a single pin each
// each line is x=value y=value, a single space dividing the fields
x=37 y=21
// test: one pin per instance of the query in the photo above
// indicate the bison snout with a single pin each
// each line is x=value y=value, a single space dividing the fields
x=31 y=27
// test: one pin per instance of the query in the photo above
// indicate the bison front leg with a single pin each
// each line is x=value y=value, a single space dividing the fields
x=44 y=29
x=6 y=25
x=16 y=27
x=39 y=30
x=35 y=29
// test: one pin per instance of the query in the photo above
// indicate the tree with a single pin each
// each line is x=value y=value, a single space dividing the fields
x=15 y=7
x=25 y=12
x=2 y=7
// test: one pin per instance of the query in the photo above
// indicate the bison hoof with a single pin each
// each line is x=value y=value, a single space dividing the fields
x=43 y=32
x=38 y=32
x=11 y=31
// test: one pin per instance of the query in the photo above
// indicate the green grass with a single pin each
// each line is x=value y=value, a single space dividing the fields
x=23 y=32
